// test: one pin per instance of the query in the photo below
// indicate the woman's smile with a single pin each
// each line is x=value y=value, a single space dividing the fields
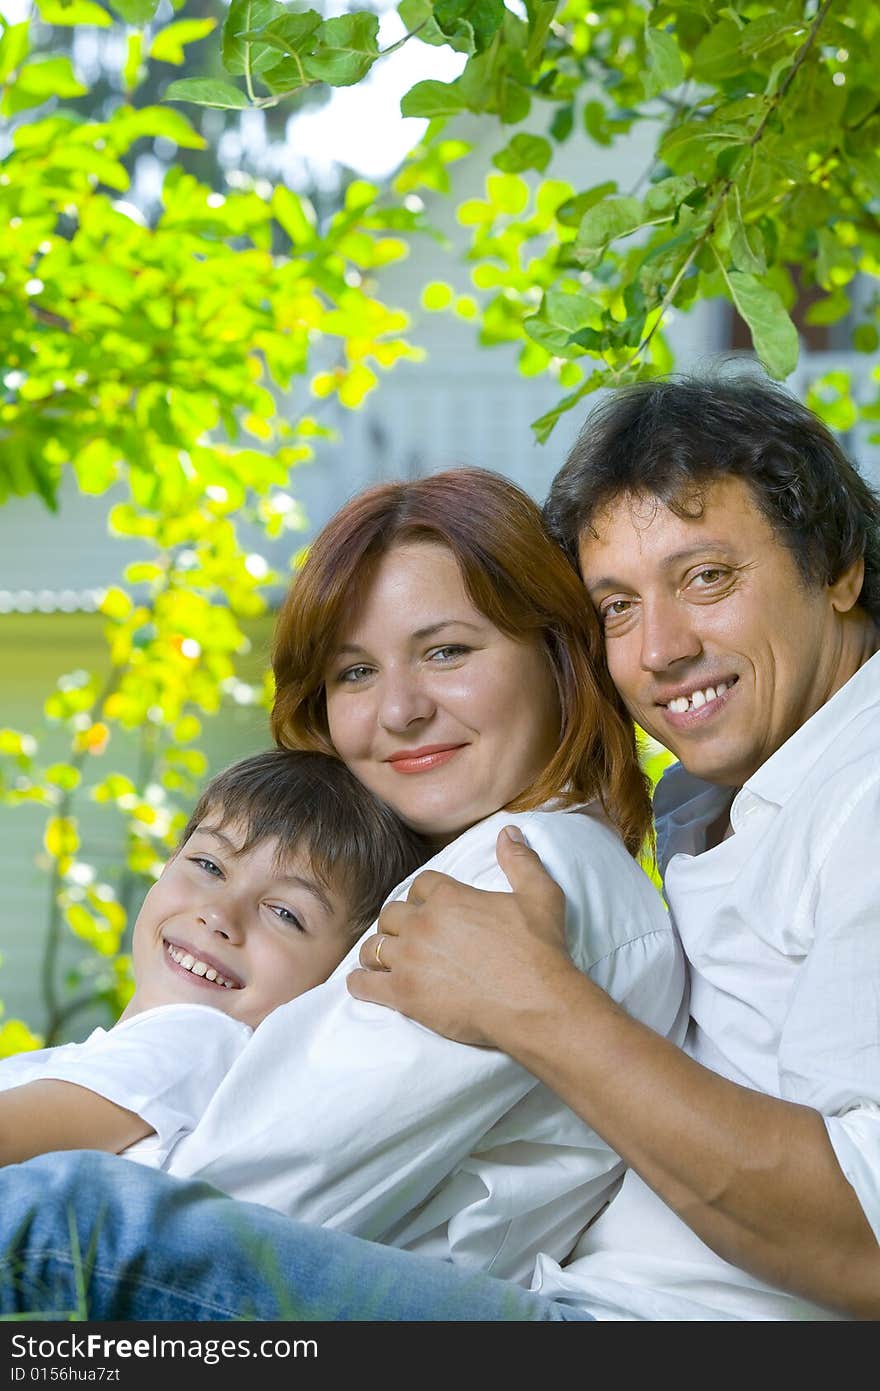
x=423 y=760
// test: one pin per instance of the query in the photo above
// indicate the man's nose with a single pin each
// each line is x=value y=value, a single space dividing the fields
x=404 y=700
x=669 y=634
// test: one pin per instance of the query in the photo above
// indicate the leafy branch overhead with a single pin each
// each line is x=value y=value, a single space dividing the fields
x=762 y=186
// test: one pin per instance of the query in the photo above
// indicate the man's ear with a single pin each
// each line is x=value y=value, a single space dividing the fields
x=845 y=590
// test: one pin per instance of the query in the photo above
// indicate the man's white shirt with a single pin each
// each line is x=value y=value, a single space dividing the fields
x=781 y=926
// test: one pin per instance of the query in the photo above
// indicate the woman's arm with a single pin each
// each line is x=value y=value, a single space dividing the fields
x=39 y=1117
x=755 y=1177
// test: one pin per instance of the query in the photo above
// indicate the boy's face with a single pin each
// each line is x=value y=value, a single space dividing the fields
x=236 y=931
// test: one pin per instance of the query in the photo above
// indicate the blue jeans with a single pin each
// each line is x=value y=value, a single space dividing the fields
x=98 y=1237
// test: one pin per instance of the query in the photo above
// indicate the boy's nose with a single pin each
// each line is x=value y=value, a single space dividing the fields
x=221 y=921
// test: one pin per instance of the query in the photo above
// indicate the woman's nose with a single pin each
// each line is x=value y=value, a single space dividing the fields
x=668 y=634
x=404 y=701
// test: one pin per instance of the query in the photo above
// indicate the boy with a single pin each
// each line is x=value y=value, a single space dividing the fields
x=284 y=862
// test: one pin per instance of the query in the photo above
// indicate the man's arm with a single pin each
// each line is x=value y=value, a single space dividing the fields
x=39 y=1117
x=753 y=1176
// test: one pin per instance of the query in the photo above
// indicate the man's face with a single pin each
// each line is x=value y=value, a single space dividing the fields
x=714 y=641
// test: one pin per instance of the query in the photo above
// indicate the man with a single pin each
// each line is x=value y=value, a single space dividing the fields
x=733 y=556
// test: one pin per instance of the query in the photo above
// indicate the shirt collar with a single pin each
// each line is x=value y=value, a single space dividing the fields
x=778 y=778
x=685 y=806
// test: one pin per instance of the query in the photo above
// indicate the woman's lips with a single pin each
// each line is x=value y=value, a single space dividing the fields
x=425 y=759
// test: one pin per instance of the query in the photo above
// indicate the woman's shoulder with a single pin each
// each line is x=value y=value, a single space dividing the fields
x=566 y=839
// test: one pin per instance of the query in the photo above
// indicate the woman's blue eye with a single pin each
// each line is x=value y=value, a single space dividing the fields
x=450 y=652
x=354 y=674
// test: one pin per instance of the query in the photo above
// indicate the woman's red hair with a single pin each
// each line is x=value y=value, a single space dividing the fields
x=515 y=575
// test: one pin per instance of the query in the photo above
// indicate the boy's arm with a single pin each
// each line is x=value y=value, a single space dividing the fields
x=42 y=1116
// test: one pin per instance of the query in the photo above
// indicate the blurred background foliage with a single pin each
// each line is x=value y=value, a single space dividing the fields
x=172 y=331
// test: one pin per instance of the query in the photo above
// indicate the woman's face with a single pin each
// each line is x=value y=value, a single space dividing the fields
x=430 y=705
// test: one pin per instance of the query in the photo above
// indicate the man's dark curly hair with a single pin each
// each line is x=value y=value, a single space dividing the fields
x=670 y=438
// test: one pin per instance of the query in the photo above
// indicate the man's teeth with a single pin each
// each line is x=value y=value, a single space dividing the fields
x=696 y=699
x=198 y=968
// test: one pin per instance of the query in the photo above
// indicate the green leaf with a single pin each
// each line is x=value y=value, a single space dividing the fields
x=608 y=220
x=132 y=67
x=14 y=48
x=432 y=98
x=40 y=80
x=483 y=17
x=292 y=216
x=346 y=50
x=668 y=194
x=73 y=12
x=419 y=15
x=665 y=65
x=168 y=45
x=294 y=36
x=524 y=152
x=137 y=12
x=239 y=53
x=773 y=333
x=571 y=212
x=206 y=91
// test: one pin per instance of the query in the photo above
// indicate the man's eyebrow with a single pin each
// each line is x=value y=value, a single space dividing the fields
x=430 y=630
x=669 y=562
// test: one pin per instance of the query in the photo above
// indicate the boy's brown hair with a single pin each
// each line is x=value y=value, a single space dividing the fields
x=311 y=803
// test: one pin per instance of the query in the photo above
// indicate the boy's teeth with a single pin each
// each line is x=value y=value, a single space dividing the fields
x=697 y=699
x=198 y=968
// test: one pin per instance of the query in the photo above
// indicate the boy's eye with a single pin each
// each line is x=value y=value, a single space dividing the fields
x=207 y=865
x=287 y=916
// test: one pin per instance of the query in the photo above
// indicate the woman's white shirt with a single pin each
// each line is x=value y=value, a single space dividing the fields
x=347 y=1114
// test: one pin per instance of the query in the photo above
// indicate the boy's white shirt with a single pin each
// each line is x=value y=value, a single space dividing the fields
x=163 y=1064
x=347 y=1114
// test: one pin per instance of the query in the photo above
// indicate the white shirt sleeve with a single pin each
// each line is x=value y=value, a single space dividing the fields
x=830 y=1053
x=163 y=1064
x=350 y=1115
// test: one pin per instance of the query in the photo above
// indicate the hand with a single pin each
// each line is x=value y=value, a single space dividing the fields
x=461 y=960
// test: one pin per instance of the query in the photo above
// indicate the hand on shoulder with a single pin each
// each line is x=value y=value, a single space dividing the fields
x=456 y=958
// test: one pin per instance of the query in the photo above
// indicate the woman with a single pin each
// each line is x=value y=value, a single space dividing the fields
x=440 y=645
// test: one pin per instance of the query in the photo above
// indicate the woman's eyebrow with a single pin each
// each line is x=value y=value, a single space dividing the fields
x=428 y=631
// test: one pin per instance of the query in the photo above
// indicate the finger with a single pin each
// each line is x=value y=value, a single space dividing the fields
x=374 y=986
x=426 y=883
x=525 y=872
x=373 y=953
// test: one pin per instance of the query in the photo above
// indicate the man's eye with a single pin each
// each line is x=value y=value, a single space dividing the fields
x=616 y=608
x=711 y=575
